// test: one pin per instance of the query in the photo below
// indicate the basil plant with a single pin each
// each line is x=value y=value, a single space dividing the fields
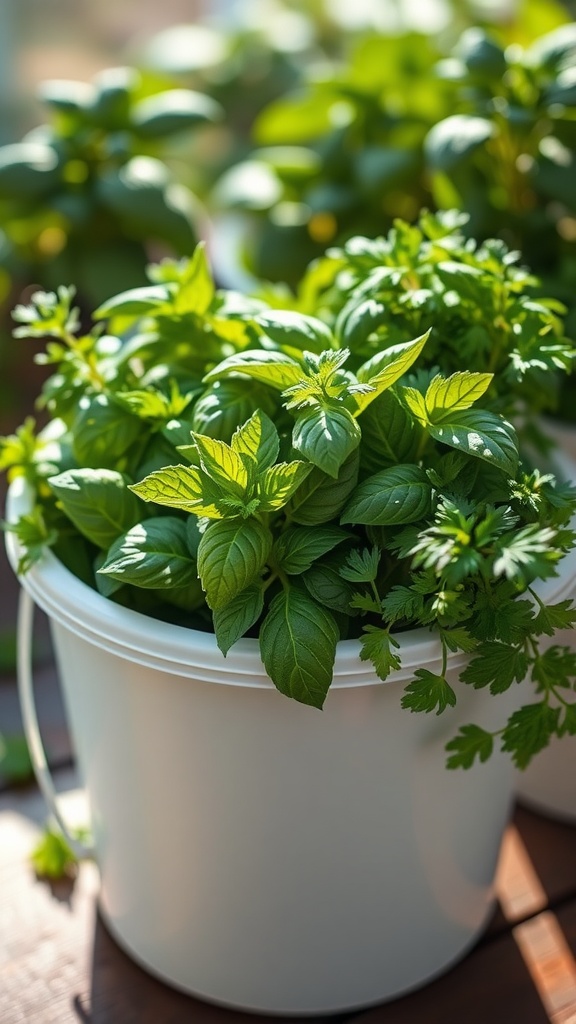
x=266 y=472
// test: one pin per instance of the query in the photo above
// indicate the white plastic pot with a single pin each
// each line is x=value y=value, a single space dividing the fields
x=256 y=852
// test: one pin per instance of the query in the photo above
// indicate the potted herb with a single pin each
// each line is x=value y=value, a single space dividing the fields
x=238 y=500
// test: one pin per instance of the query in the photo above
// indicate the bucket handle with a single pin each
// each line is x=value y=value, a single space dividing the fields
x=31 y=725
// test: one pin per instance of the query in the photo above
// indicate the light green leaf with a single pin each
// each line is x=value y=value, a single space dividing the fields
x=299 y=546
x=398 y=494
x=222 y=464
x=416 y=404
x=153 y=554
x=277 y=484
x=272 y=368
x=298 y=646
x=135 y=302
x=446 y=395
x=481 y=434
x=383 y=370
x=237 y=617
x=232 y=556
x=99 y=502
x=184 y=487
x=288 y=329
x=196 y=294
x=258 y=439
x=326 y=437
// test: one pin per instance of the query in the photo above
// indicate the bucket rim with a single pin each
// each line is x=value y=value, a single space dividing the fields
x=192 y=653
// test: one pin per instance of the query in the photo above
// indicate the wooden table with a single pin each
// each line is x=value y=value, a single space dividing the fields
x=58 y=964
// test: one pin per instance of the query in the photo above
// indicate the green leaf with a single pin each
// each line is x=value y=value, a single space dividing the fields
x=258 y=439
x=197 y=291
x=402 y=603
x=102 y=432
x=172 y=111
x=52 y=857
x=153 y=554
x=183 y=487
x=376 y=646
x=528 y=731
x=325 y=584
x=289 y=329
x=398 y=494
x=446 y=395
x=237 y=617
x=416 y=404
x=482 y=434
x=496 y=665
x=326 y=437
x=526 y=554
x=453 y=140
x=299 y=546
x=15 y=762
x=99 y=502
x=272 y=368
x=277 y=484
x=320 y=498
x=387 y=434
x=428 y=692
x=298 y=646
x=471 y=742
x=384 y=369
x=553 y=668
x=135 y=302
x=222 y=464
x=231 y=557
x=361 y=566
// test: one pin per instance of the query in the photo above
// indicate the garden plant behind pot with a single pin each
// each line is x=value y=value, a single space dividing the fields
x=231 y=500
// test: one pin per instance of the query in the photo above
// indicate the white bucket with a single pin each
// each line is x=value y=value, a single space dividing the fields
x=259 y=853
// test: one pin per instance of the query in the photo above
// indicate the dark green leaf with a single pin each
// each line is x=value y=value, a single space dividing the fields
x=299 y=546
x=152 y=554
x=471 y=742
x=98 y=502
x=528 y=731
x=237 y=617
x=399 y=494
x=320 y=498
x=376 y=646
x=482 y=434
x=298 y=646
x=428 y=692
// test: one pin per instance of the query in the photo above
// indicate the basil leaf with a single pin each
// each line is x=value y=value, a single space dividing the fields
x=135 y=302
x=278 y=483
x=484 y=435
x=399 y=494
x=154 y=553
x=325 y=584
x=446 y=395
x=103 y=432
x=257 y=438
x=236 y=618
x=387 y=434
x=98 y=501
x=387 y=367
x=295 y=330
x=299 y=546
x=272 y=368
x=320 y=498
x=222 y=464
x=298 y=647
x=326 y=437
x=184 y=487
x=226 y=403
x=231 y=556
